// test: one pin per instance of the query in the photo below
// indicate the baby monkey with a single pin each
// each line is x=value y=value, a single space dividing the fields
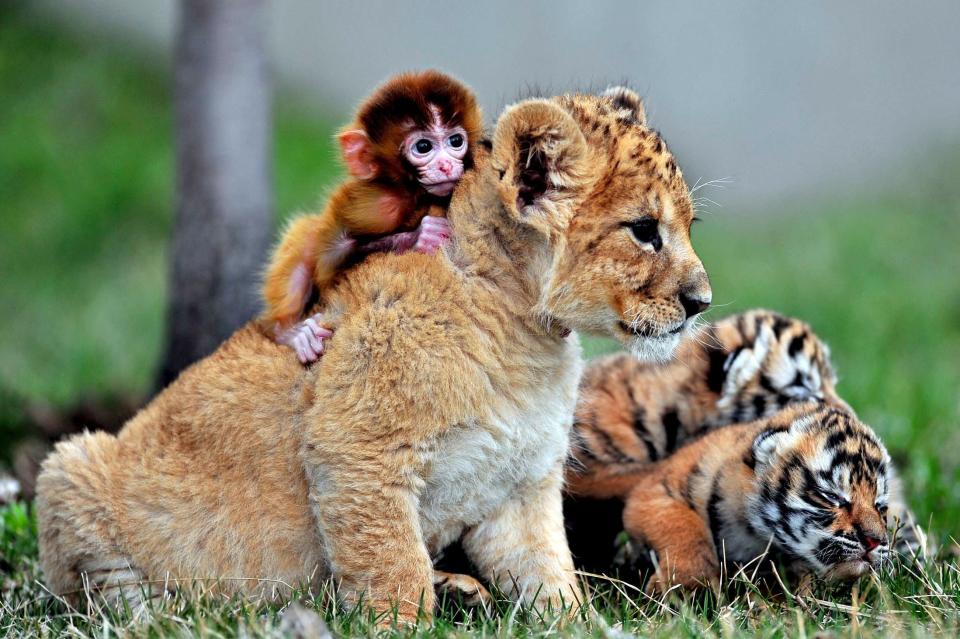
x=405 y=150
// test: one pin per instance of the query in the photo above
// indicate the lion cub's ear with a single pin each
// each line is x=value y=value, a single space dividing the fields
x=628 y=103
x=542 y=159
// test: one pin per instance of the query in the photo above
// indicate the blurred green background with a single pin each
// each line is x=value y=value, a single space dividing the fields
x=86 y=184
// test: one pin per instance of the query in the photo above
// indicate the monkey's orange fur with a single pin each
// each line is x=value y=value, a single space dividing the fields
x=442 y=409
x=382 y=196
x=313 y=246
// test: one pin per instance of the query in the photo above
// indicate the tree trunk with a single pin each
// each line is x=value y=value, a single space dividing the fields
x=224 y=217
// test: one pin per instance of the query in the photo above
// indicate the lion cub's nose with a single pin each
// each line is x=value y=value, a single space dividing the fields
x=693 y=305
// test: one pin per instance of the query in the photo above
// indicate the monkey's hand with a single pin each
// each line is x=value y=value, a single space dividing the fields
x=306 y=338
x=432 y=234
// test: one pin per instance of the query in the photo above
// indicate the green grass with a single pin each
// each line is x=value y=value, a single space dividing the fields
x=86 y=192
x=912 y=599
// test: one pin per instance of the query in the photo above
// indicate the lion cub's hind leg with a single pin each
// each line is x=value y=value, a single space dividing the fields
x=114 y=582
x=79 y=554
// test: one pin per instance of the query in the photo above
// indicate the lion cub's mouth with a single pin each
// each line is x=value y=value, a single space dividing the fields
x=648 y=332
x=651 y=345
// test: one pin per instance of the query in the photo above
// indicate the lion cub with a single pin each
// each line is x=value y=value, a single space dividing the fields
x=442 y=409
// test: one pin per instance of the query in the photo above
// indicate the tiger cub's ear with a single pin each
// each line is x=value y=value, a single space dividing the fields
x=628 y=103
x=785 y=427
x=542 y=159
x=766 y=444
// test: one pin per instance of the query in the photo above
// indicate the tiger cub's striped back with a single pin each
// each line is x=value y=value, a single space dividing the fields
x=632 y=413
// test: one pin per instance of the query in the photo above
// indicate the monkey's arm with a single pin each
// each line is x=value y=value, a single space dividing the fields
x=427 y=238
x=369 y=209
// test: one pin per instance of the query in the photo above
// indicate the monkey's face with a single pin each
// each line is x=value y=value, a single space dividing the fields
x=437 y=154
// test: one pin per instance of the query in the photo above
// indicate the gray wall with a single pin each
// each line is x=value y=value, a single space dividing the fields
x=783 y=98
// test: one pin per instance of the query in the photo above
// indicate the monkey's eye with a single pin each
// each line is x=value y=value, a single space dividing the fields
x=646 y=231
x=423 y=146
x=455 y=140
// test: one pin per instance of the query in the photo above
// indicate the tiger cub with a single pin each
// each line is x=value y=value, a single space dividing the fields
x=631 y=414
x=812 y=481
x=743 y=367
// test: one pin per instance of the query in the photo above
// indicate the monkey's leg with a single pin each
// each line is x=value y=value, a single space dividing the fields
x=306 y=338
x=523 y=548
x=290 y=274
x=675 y=532
x=368 y=520
x=469 y=589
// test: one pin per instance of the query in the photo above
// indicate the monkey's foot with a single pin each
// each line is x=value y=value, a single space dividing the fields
x=433 y=233
x=306 y=338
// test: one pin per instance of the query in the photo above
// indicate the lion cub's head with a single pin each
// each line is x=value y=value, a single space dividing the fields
x=588 y=172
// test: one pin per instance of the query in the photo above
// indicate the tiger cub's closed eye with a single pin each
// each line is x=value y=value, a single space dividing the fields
x=830 y=497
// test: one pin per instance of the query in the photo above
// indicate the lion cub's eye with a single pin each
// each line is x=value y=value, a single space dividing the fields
x=645 y=229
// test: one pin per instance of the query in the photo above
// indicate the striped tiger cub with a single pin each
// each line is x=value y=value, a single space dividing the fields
x=632 y=414
x=812 y=481
x=743 y=367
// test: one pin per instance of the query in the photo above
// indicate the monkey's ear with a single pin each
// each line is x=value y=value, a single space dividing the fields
x=541 y=155
x=358 y=154
x=628 y=103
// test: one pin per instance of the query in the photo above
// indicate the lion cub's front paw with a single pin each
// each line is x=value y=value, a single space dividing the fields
x=468 y=589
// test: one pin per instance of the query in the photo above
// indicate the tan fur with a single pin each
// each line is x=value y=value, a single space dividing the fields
x=442 y=407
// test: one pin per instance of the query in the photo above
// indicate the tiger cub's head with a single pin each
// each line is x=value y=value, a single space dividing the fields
x=822 y=490
x=761 y=361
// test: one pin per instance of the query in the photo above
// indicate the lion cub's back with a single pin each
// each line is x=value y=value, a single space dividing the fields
x=183 y=491
x=413 y=331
